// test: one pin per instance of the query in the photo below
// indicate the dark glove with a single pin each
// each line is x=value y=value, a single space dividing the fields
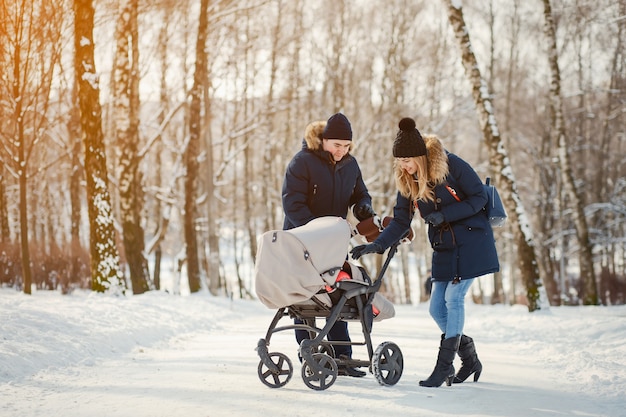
x=361 y=250
x=363 y=212
x=435 y=218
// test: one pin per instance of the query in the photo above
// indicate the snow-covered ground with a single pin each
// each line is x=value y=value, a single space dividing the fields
x=163 y=355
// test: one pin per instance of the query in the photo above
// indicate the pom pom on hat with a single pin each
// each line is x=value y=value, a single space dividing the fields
x=409 y=142
x=338 y=127
x=407 y=124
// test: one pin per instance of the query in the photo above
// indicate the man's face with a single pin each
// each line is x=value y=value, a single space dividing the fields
x=338 y=148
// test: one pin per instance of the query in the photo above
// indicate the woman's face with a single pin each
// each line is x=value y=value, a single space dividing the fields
x=338 y=148
x=408 y=164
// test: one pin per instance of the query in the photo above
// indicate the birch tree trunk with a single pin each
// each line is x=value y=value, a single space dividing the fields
x=498 y=160
x=585 y=257
x=126 y=120
x=192 y=150
x=105 y=270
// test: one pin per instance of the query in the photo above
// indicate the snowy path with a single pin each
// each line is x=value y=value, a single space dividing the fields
x=567 y=362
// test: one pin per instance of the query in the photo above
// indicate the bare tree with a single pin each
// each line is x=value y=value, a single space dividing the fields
x=16 y=31
x=394 y=101
x=126 y=120
x=192 y=151
x=271 y=183
x=30 y=37
x=585 y=257
x=105 y=271
x=271 y=66
x=213 y=261
x=5 y=232
x=161 y=220
x=499 y=161
x=613 y=122
x=77 y=175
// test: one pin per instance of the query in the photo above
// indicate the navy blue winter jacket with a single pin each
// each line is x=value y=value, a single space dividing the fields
x=315 y=186
x=463 y=246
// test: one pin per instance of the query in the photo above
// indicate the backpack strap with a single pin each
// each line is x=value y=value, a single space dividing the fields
x=452 y=192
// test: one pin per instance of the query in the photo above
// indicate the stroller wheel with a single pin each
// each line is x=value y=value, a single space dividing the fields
x=320 y=374
x=281 y=375
x=387 y=363
x=327 y=348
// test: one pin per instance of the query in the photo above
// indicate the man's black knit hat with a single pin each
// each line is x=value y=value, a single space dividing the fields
x=338 y=127
x=409 y=142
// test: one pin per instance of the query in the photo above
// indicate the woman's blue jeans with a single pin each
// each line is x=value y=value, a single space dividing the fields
x=447 y=305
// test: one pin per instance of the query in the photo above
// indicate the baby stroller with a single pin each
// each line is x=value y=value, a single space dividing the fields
x=300 y=272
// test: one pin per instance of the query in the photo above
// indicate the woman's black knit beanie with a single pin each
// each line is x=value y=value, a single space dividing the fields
x=409 y=142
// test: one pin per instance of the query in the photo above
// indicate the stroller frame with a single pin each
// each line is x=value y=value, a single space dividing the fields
x=352 y=300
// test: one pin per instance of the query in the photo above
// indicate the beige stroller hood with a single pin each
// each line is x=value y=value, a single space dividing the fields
x=294 y=265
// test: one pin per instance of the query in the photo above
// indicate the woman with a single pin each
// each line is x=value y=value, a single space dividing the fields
x=450 y=197
x=323 y=179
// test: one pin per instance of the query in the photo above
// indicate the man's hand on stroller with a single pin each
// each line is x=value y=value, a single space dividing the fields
x=361 y=250
x=363 y=212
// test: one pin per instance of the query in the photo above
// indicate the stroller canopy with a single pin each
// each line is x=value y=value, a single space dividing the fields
x=293 y=265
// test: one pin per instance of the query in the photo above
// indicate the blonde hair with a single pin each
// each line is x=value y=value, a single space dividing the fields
x=419 y=186
x=432 y=170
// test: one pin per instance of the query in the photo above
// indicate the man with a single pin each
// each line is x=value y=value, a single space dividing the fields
x=324 y=179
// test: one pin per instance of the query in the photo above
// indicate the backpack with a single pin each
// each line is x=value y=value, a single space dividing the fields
x=494 y=208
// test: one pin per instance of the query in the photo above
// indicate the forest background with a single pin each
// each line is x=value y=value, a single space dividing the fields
x=138 y=135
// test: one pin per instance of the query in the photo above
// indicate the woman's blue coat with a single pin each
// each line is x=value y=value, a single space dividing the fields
x=463 y=246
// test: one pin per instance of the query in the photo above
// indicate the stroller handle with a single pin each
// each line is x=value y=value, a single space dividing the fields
x=390 y=254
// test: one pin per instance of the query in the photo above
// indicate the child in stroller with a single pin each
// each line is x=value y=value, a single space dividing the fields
x=302 y=272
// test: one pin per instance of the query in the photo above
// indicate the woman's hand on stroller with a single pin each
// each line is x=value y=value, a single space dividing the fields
x=361 y=250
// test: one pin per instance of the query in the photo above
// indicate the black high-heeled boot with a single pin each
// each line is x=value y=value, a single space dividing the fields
x=444 y=370
x=470 y=362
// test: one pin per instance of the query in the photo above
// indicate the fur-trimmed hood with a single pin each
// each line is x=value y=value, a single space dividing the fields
x=313 y=134
x=437 y=159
